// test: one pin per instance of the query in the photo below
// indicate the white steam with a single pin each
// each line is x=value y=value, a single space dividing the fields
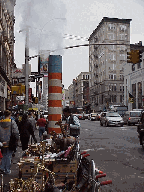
x=46 y=22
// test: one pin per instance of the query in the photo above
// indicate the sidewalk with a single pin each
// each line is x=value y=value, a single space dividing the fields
x=14 y=166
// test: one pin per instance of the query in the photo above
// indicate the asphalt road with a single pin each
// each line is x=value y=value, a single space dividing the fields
x=117 y=152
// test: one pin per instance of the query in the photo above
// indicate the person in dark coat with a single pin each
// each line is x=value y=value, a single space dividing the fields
x=25 y=130
x=6 y=124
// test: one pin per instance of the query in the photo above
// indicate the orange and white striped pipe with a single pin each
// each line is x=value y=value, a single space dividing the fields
x=54 y=92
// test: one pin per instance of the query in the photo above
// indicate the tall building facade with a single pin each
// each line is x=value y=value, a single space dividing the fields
x=7 y=21
x=71 y=95
x=79 y=90
x=65 y=98
x=106 y=62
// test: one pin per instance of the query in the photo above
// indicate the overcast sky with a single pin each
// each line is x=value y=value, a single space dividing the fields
x=78 y=18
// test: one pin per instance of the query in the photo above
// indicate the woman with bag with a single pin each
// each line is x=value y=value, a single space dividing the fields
x=25 y=130
x=7 y=127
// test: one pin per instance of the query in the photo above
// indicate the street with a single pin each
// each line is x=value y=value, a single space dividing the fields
x=117 y=152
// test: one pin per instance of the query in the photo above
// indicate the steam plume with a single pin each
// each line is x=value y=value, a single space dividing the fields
x=46 y=23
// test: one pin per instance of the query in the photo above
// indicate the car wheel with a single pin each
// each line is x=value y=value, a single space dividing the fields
x=106 y=124
x=101 y=123
x=142 y=142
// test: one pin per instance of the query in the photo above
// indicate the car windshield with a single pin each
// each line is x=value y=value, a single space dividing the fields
x=112 y=115
x=135 y=114
x=46 y=113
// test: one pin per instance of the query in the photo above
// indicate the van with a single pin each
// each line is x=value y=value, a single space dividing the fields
x=132 y=117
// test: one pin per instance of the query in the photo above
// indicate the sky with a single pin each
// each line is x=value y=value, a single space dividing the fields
x=51 y=21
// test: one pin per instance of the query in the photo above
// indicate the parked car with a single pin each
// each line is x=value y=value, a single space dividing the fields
x=92 y=116
x=132 y=117
x=110 y=119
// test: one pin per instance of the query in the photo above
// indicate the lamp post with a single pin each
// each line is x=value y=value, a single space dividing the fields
x=26 y=64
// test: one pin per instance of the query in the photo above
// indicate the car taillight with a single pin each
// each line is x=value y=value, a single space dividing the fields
x=129 y=118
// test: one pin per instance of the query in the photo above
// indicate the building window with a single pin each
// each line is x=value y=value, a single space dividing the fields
x=114 y=66
x=113 y=77
x=112 y=87
x=138 y=65
x=121 y=87
x=123 y=28
x=114 y=97
x=111 y=27
x=123 y=36
x=83 y=76
x=133 y=67
x=121 y=77
x=111 y=36
x=88 y=76
x=112 y=56
x=121 y=98
x=122 y=56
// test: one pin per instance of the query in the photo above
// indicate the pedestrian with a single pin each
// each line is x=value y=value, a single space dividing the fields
x=25 y=130
x=1 y=115
x=71 y=120
x=46 y=126
x=6 y=124
x=16 y=118
x=33 y=122
x=41 y=123
x=142 y=118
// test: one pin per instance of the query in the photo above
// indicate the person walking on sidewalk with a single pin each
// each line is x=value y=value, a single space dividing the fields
x=6 y=124
x=25 y=130
x=41 y=123
x=33 y=122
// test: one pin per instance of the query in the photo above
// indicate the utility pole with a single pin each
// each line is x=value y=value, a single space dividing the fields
x=27 y=66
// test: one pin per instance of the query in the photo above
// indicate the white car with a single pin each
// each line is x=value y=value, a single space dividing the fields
x=93 y=116
x=111 y=119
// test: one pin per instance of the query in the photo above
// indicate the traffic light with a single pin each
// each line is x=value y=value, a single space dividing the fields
x=140 y=56
x=134 y=56
x=129 y=56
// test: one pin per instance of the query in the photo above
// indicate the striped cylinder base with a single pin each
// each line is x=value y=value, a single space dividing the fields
x=54 y=92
